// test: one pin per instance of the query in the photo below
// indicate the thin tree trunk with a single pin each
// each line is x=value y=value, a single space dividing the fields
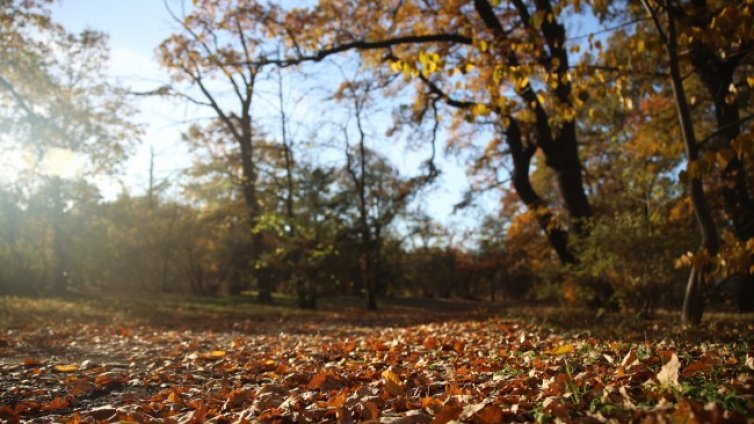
x=359 y=181
x=693 y=302
x=60 y=276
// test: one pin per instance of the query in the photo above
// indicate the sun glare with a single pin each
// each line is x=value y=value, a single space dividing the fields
x=63 y=163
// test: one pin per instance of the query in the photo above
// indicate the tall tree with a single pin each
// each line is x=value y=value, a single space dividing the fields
x=693 y=303
x=509 y=59
x=53 y=90
x=717 y=60
x=215 y=38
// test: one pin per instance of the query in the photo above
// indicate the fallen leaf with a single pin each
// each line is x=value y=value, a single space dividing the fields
x=337 y=401
x=318 y=380
x=66 y=368
x=749 y=362
x=490 y=414
x=562 y=349
x=32 y=362
x=55 y=404
x=447 y=413
x=9 y=415
x=393 y=383
x=669 y=373
x=215 y=354
x=629 y=360
x=696 y=367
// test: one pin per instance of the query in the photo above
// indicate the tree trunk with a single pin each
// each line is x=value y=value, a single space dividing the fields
x=717 y=75
x=561 y=151
x=60 y=276
x=522 y=156
x=693 y=302
x=380 y=285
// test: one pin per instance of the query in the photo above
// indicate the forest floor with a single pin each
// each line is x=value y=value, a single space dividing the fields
x=226 y=359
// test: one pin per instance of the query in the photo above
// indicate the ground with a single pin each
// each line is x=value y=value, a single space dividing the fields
x=172 y=359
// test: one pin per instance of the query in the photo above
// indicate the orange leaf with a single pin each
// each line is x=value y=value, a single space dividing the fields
x=55 y=404
x=337 y=401
x=431 y=403
x=374 y=411
x=32 y=362
x=447 y=413
x=318 y=380
x=491 y=414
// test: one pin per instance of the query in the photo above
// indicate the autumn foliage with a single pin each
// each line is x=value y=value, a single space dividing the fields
x=608 y=149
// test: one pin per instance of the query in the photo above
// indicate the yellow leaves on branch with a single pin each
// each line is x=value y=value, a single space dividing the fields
x=735 y=257
x=743 y=146
x=430 y=62
x=696 y=260
x=426 y=63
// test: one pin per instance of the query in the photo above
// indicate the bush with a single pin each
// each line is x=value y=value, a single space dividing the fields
x=629 y=258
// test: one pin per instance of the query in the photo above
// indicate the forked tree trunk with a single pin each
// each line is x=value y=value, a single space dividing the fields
x=522 y=155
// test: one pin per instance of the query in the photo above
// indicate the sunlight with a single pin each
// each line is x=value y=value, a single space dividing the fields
x=63 y=163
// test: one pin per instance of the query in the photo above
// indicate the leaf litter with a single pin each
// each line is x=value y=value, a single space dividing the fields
x=299 y=369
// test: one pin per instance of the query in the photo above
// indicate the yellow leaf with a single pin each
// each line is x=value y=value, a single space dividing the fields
x=481 y=109
x=396 y=66
x=562 y=349
x=640 y=46
x=393 y=383
x=523 y=82
x=750 y=81
x=724 y=156
x=483 y=46
x=215 y=354
x=66 y=368
x=538 y=19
